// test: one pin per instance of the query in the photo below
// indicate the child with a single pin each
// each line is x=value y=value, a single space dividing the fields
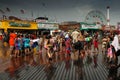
x=109 y=53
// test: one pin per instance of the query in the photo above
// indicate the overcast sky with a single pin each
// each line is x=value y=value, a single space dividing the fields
x=61 y=10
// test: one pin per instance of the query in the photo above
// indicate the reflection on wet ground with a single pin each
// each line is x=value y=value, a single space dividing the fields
x=14 y=65
x=33 y=67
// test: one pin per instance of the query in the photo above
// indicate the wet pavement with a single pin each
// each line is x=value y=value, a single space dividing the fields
x=63 y=68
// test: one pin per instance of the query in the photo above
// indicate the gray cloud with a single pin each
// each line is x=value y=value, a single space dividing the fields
x=62 y=10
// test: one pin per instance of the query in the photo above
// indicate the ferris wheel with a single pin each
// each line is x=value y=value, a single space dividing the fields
x=96 y=17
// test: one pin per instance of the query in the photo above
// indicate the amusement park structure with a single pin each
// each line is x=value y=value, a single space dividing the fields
x=96 y=17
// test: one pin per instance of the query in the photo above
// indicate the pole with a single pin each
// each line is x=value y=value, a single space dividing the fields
x=108 y=16
x=32 y=14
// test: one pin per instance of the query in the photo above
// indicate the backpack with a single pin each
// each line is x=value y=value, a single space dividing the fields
x=78 y=45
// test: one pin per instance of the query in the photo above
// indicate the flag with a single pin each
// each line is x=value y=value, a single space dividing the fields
x=2 y=11
x=43 y=4
x=22 y=11
x=32 y=14
x=7 y=9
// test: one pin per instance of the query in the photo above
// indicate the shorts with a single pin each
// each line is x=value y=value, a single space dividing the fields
x=68 y=50
x=95 y=46
x=18 y=48
x=103 y=46
x=27 y=47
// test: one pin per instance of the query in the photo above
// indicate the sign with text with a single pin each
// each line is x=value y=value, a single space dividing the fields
x=19 y=24
x=90 y=26
x=47 y=26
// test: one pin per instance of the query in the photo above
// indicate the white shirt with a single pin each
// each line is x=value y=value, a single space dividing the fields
x=115 y=43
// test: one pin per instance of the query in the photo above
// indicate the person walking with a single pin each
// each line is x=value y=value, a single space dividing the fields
x=12 y=42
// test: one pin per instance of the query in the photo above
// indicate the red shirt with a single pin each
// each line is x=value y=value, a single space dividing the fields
x=1 y=37
x=12 y=39
x=67 y=43
x=95 y=43
x=68 y=46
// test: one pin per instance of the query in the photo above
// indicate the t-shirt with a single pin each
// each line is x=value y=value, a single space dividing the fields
x=12 y=39
x=17 y=42
x=0 y=37
x=87 y=39
x=26 y=42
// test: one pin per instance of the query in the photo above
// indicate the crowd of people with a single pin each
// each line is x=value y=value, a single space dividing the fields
x=76 y=45
x=111 y=51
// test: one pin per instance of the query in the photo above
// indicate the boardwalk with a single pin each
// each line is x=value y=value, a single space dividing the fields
x=63 y=71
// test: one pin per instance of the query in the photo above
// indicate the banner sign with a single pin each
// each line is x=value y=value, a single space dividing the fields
x=19 y=24
x=47 y=26
x=87 y=26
